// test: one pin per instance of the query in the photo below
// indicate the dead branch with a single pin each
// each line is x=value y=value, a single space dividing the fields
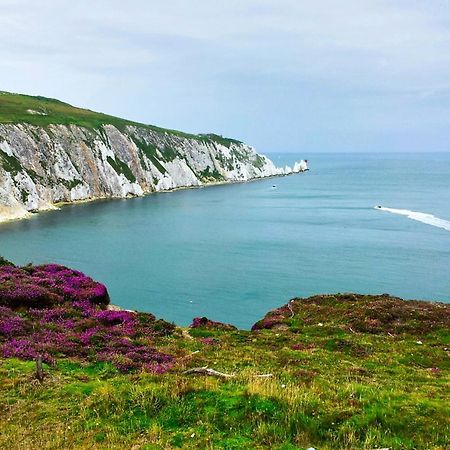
x=39 y=370
x=206 y=371
x=190 y=355
x=214 y=373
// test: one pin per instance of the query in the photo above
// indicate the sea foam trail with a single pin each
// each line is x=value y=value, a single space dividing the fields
x=420 y=216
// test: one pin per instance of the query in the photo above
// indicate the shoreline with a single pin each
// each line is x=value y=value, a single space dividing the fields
x=59 y=205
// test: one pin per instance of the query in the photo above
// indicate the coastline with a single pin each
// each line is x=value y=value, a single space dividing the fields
x=59 y=205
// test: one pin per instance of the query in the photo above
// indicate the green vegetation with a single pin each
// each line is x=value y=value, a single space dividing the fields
x=220 y=139
x=5 y=262
x=42 y=111
x=169 y=153
x=211 y=175
x=10 y=163
x=259 y=162
x=226 y=162
x=348 y=372
x=24 y=195
x=70 y=184
x=150 y=151
x=121 y=168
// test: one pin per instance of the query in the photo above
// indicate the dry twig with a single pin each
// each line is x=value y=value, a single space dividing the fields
x=207 y=371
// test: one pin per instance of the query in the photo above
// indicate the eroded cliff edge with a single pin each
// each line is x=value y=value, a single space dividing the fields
x=58 y=153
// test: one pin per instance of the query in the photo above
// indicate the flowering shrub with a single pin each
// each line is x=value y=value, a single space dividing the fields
x=120 y=337
x=267 y=323
x=52 y=311
x=47 y=285
x=21 y=348
x=204 y=322
x=9 y=323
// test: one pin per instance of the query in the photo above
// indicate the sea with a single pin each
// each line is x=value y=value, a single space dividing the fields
x=367 y=223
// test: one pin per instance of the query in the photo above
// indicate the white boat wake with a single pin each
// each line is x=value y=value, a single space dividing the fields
x=429 y=219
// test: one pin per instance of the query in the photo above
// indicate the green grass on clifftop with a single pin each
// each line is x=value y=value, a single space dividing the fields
x=42 y=111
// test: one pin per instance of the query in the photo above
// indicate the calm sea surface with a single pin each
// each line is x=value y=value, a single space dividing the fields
x=233 y=252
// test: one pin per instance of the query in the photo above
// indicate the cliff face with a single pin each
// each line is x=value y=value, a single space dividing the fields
x=44 y=164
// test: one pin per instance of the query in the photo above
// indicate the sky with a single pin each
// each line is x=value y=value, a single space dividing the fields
x=282 y=75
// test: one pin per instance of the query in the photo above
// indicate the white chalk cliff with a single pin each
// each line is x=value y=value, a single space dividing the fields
x=44 y=165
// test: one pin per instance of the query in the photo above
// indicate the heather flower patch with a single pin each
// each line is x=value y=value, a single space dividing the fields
x=55 y=312
x=66 y=332
x=10 y=324
x=47 y=285
x=268 y=322
x=209 y=341
x=204 y=322
x=23 y=349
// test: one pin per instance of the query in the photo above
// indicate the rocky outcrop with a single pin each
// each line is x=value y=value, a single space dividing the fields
x=44 y=165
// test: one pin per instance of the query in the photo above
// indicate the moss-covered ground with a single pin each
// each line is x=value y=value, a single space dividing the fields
x=347 y=372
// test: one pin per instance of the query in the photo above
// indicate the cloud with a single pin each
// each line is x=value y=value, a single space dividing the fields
x=276 y=73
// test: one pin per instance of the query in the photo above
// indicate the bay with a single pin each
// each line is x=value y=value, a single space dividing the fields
x=233 y=252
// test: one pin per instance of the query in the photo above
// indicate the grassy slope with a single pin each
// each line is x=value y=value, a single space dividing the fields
x=15 y=108
x=349 y=372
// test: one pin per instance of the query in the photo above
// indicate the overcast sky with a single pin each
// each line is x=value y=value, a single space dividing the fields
x=283 y=75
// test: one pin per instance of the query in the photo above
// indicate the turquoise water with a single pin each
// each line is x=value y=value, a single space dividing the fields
x=233 y=252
